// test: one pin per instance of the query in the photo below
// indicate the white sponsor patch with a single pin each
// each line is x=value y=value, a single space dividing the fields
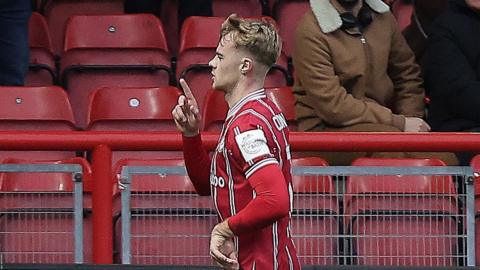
x=252 y=144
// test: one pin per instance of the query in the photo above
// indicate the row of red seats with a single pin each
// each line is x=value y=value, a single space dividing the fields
x=162 y=210
x=113 y=109
x=57 y=13
x=285 y=12
x=130 y=50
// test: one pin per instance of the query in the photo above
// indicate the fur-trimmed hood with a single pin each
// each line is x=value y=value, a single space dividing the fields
x=328 y=17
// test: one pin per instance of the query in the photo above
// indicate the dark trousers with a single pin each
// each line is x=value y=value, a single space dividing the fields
x=14 y=50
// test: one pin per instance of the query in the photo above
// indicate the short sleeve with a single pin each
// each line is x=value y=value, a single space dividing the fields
x=250 y=142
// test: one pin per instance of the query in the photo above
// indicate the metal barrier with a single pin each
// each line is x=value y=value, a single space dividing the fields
x=102 y=143
x=168 y=224
x=411 y=216
x=39 y=225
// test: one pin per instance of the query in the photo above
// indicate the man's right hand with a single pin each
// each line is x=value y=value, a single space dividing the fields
x=186 y=113
x=415 y=124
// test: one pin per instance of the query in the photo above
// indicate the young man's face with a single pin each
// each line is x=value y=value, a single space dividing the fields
x=226 y=65
x=474 y=5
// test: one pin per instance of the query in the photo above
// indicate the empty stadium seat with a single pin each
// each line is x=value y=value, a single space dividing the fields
x=36 y=220
x=475 y=163
x=41 y=70
x=315 y=223
x=169 y=16
x=399 y=219
x=35 y=109
x=283 y=97
x=170 y=223
x=287 y=14
x=134 y=109
x=115 y=50
x=57 y=13
x=214 y=111
x=198 y=42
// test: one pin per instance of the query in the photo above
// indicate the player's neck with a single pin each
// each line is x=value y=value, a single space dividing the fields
x=242 y=89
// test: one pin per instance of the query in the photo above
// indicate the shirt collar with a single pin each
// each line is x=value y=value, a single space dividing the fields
x=257 y=94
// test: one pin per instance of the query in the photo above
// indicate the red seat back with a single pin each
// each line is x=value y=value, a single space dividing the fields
x=35 y=108
x=42 y=104
x=386 y=214
x=38 y=214
x=288 y=14
x=315 y=225
x=134 y=109
x=314 y=183
x=41 y=71
x=198 y=42
x=283 y=97
x=58 y=12
x=115 y=50
x=132 y=31
x=38 y=34
x=170 y=224
x=410 y=183
x=157 y=183
x=214 y=111
x=44 y=182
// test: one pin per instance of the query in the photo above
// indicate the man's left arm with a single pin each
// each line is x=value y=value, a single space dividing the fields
x=270 y=204
x=405 y=75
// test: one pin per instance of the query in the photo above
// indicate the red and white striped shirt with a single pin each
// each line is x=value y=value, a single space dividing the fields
x=254 y=138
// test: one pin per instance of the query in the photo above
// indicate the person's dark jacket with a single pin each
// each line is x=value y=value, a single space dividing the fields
x=452 y=69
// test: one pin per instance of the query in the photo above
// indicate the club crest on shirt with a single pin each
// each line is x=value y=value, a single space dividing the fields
x=252 y=144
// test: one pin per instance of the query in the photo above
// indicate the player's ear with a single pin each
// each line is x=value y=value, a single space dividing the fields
x=247 y=65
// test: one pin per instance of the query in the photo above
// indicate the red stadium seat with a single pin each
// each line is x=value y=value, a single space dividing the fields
x=288 y=14
x=34 y=109
x=134 y=109
x=244 y=8
x=403 y=11
x=214 y=111
x=475 y=163
x=116 y=50
x=198 y=42
x=58 y=12
x=315 y=225
x=41 y=71
x=165 y=208
x=169 y=17
x=283 y=97
x=37 y=222
x=401 y=220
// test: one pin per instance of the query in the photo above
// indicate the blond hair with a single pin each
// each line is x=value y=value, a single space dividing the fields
x=257 y=36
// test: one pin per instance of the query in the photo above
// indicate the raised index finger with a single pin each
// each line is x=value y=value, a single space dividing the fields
x=188 y=92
